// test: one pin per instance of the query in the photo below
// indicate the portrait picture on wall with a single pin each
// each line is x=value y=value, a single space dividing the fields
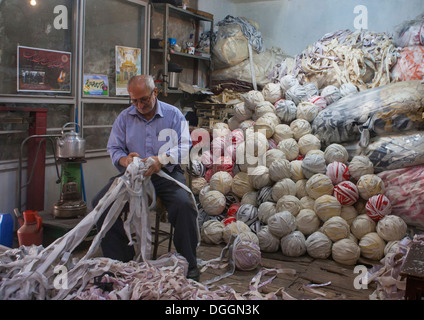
x=128 y=64
x=42 y=70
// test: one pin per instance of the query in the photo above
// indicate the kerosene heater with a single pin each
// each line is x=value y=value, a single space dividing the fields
x=70 y=153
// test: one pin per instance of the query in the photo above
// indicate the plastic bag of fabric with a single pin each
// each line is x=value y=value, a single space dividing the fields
x=410 y=33
x=405 y=190
x=410 y=64
x=392 y=152
x=386 y=110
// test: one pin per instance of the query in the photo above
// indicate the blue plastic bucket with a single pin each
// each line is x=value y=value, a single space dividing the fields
x=6 y=229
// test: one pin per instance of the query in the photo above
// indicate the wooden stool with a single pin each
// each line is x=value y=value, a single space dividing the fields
x=160 y=215
x=413 y=270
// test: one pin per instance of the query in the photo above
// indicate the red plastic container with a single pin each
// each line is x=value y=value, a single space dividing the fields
x=31 y=231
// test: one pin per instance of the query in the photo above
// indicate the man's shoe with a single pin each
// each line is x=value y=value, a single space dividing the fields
x=194 y=274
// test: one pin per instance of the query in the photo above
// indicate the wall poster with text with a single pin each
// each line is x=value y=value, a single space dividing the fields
x=128 y=64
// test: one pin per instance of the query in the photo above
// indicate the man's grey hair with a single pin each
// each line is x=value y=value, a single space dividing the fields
x=145 y=78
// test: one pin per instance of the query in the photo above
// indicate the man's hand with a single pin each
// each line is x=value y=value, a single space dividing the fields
x=126 y=161
x=154 y=168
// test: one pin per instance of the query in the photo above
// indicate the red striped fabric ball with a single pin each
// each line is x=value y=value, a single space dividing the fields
x=378 y=206
x=346 y=193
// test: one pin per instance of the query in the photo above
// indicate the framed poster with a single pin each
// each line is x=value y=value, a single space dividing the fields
x=95 y=85
x=41 y=70
x=128 y=64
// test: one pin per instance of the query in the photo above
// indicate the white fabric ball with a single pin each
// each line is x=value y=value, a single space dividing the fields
x=197 y=184
x=203 y=191
x=345 y=251
x=241 y=184
x=264 y=126
x=241 y=112
x=319 y=101
x=327 y=207
x=391 y=228
x=289 y=147
x=246 y=124
x=307 y=203
x=281 y=224
x=211 y=231
x=266 y=210
x=362 y=225
x=336 y=152
x=286 y=110
x=271 y=155
x=259 y=177
x=249 y=236
x=250 y=198
x=283 y=187
x=293 y=244
x=263 y=108
x=347 y=89
x=319 y=185
x=256 y=144
x=391 y=247
x=252 y=98
x=300 y=127
x=296 y=170
x=336 y=228
x=311 y=89
x=221 y=181
x=288 y=81
x=280 y=169
x=282 y=131
x=359 y=166
x=297 y=94
x=288 y=203
x=247 y=213
x=267 y=241
x=318 y=245
x=234 y=229
x=307 y=143
x=372 y=246
x=331 y=94
x=307 y=111
x=272 y=92
x=307 y=221
x=313 y=164
x=213 y=202
x=349 y=213
x=233 y=123
x=301 y=188
x=370 y=185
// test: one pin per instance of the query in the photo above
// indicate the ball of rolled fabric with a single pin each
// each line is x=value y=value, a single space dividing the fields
x=246 y=124
x=207 y=159
x=359 y=166
x=347 y=89
x=282 y=131
x=331 y=94
x=266 y=210
x=288 y=203
x=391 y=228
x=313 y=164
x=256 y=144
x=362 y=225
x=247 y=213
x=197 y=184
x=290 y=148
x=232 y=209
x=250 y=198
x=203 y=191
x=280 y=169
x=307 y=221
x=221 y=181
x=252 y=98
x=296 y=170
x=213 y=202
x=307 y=203
x=337 y=172
x=263 y=108
x=326 y=207
x=311 y=89
x=297 y=94
x=249 y=236
x=233 y=123
x=316 y=151
x=336 y=228
x=307 y=111
x=281 y=224
x=336 y=152
x=346 y=193
x=301 y=188
x=223 y=163
x=271 y=155
x=378 y=206
x=241 y=111
x=283 y=187
x=237 y=136
x=247 y=255
x=318 y=185
x=391 y=247
x=372 y=246
x=370 y=185
x=349 y=213
x=300 y=127
x=228 y=220
x=234 y=229
x=293 y=244
x=272 y=117
x=319 y=101
x=264 y=195
x=272 y=92
x=241 y=184
x=345 y=251
x=267 y=241
x=288 y=81
x=318 y=245
x=211 y=231
x=307 y=143
x=196 y=168
x=272 y=144
x=286 y=110
x=259 y=177
x=218 y=145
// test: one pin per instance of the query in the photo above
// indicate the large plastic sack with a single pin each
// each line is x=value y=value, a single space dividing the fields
x=386 y=110
x=405 y=190
x=410 y=33
x=392 y=152
x=410 y=64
